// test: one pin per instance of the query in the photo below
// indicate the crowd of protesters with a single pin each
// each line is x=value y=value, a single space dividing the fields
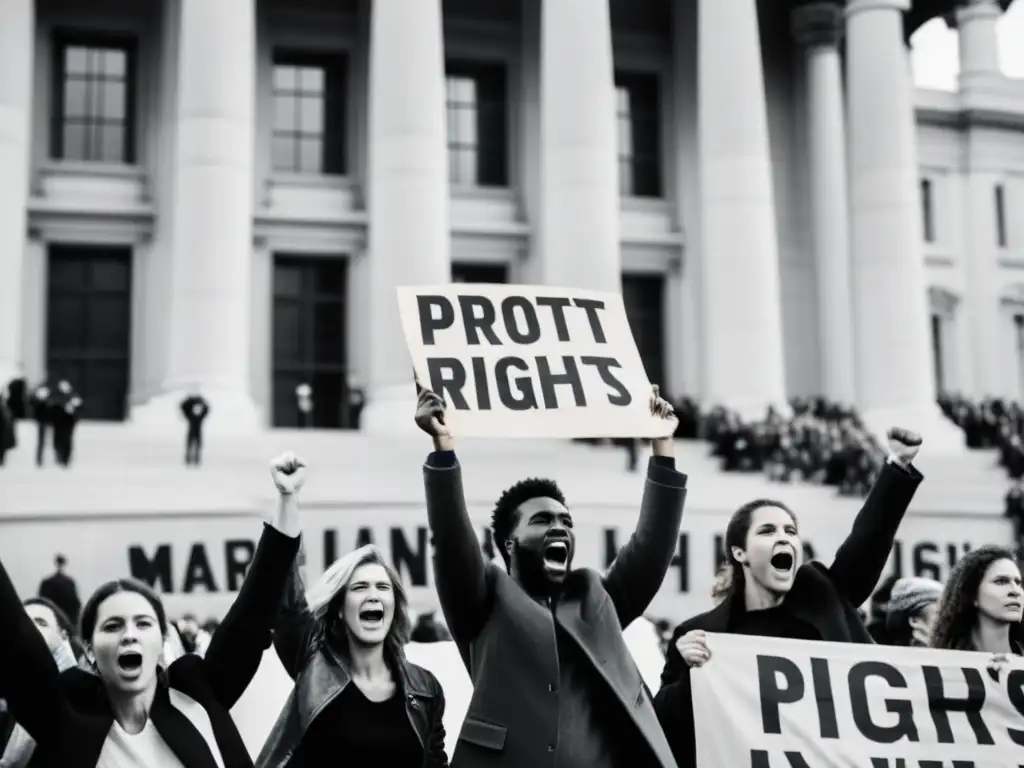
x=145 y=691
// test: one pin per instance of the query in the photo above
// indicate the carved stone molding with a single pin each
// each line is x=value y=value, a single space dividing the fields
x=817 y=24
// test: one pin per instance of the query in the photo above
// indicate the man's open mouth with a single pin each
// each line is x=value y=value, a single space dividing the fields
x=782 y=561
x=130 y=661
x=556 y=555
x=372 y=615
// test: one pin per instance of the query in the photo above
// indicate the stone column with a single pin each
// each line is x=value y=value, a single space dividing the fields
x=979 y=67
x=895 y=367
x=209 y=215
x=17 y=40
x=407 y=170
x=742 y=310
x=579 y=191
x=979 y=44
x=817 y=28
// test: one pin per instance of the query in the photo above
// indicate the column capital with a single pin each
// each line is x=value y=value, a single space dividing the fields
x=817 y=24
x=859 y=6
x=968 y=10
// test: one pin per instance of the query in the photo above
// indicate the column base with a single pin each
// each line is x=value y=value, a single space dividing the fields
x=940 y=435
x=232 y=413
x=390 y=411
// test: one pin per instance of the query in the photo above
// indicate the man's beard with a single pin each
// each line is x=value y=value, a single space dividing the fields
x=533 y=576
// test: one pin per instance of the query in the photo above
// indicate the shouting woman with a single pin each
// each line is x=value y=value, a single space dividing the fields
x=771 y=592
x=131 y=712
x=982 y=605
x=356 y=699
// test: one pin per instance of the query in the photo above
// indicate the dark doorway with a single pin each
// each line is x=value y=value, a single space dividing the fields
x=309 y=340
x=643 y=296
x=88 y=325
x=480 y=273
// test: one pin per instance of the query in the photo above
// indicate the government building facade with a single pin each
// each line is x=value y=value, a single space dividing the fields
x=225 y=193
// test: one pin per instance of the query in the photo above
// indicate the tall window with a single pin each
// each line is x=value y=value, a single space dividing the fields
x=92 y=110
x=928 y=210
x=638 y=107
x=1000 y=216
x=309 y=114
x=477 y=124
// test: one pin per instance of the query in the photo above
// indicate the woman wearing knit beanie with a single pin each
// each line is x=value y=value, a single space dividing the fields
x=910 y=612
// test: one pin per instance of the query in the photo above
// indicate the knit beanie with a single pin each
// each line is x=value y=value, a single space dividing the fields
x=909 y=596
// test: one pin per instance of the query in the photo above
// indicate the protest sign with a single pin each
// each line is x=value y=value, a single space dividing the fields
x=766 y=702
x=529 y=361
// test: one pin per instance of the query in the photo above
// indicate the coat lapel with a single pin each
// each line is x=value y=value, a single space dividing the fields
x=181 y=736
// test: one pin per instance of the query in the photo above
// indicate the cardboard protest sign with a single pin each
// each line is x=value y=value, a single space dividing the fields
x=768 y=702
x=529 y=361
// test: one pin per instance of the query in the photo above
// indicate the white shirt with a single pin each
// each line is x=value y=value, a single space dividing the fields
x=147 y=749
x=141 y=750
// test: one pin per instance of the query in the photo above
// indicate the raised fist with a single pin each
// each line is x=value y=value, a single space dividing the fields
x=289 y=473
x=693 y=647
x=430 y=408
x=903 y=444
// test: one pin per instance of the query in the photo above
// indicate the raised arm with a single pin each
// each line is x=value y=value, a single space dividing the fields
x=635 y=576
x=460 y=572
x=237 y=647
x=292 y=627
x=29 y=678
x=860 y=560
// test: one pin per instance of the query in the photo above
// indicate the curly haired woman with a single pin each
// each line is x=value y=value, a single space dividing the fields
x=982 y=605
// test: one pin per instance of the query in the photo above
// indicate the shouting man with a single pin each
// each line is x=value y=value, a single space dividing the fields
x=554 y=685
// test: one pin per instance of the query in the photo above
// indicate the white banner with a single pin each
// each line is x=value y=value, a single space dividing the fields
x=767 y=702
x=197 y=560
x=529 y=361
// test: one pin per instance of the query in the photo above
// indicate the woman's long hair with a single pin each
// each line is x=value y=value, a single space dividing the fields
x=326 y=596
x=730 y=579
x=957 y=614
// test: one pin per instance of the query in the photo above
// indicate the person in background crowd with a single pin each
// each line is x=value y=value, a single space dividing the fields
x=64 y=413
x=16 y=746
x=42 y=412
x=130 y=712
x=773 y=594
x=61 y=589
x=822 y=442
x=982 y=605
x=911 y=611
x=194 y=639
x=429 y=630
x=880 y=610
x=530 y=634
x=8 y=428
x=1014 y=512
x=17 y=398
x=195 y=409
x=343 y=642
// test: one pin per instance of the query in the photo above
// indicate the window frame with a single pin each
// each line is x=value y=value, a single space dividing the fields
x=126 y=43
x=652 y=160
x=335 y=155
x=491 y=150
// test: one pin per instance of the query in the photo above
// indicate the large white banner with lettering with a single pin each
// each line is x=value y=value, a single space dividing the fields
x=772 y=703
x=529 y=361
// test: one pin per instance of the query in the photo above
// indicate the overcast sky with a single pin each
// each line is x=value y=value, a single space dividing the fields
x=935 y=50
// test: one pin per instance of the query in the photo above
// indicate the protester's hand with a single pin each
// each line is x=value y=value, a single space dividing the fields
x=663 y=446
x=289 y=473
x=430 y=417
x=693 y=647
x=921 y=634
x=903 y=445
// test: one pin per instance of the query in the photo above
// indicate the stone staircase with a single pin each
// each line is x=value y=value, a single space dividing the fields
x=120 y=468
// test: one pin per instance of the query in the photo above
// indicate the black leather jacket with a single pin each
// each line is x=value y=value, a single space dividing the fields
x=320 y=675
